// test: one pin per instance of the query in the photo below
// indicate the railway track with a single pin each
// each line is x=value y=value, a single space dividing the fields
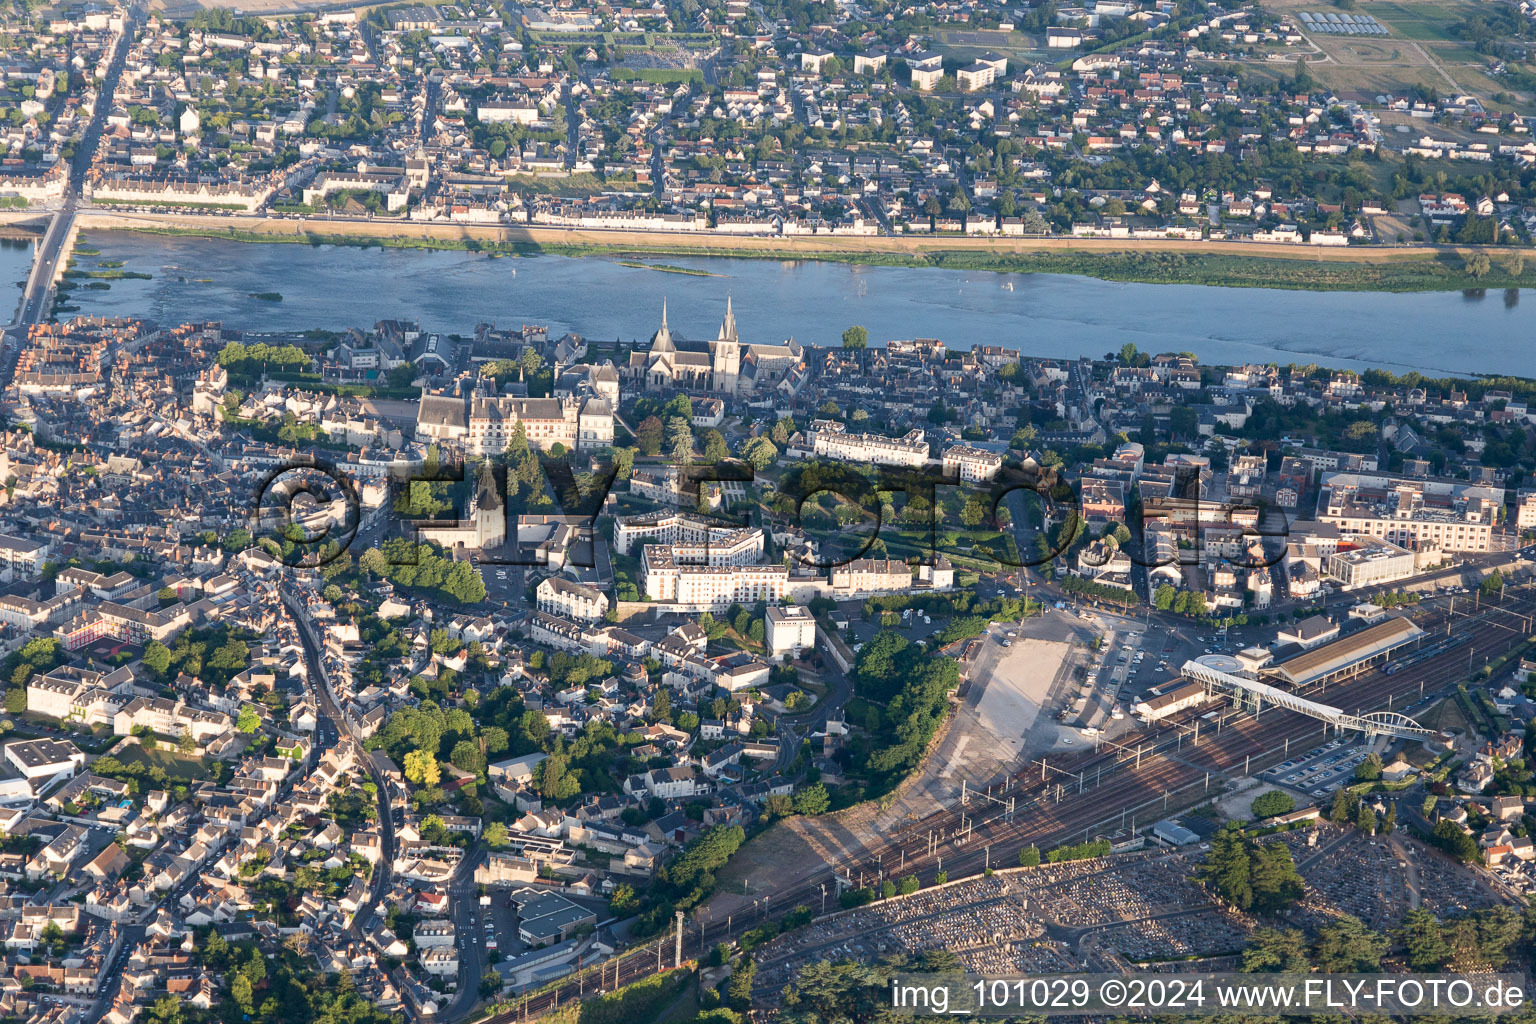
x=1068 y=798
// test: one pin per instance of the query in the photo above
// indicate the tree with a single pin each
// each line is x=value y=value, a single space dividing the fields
x=759 y=452
x=157 y=657
x=1128 y=353
x=623 y=901
x=778 y=806
x=812 y=800
x=1369 y=770
x=648 y=435
x=466 y=757
x=1276 y=885
x=495 y=835
x=1424 y=945
x=1347 y=946
x=240 y=991
x=1227 y=868
x=1477 y=265
x=1249 y=876
x=249 y=721
x=1029 y=857
x=1275 y=951
x=738 y=991
x=1274 y=802
x=1449 y=837
x=715 y=449
x=856 y=337
x=16 y=700
x=551 y=774
x=421 y=768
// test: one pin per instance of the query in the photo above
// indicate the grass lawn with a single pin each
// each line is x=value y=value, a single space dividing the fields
x=191 y=768
x=857 y=709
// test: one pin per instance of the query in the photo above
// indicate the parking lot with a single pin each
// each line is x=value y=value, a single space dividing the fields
x=1318 y=771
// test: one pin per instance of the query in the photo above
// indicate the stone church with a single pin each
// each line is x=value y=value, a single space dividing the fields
x=723 y=366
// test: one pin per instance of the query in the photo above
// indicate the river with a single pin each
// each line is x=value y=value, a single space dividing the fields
x=335 y=287
x=15 y=263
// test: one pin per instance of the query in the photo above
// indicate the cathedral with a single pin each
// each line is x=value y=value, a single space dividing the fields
x=723 y=366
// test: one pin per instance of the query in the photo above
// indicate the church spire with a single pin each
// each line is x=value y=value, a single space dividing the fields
x=661 y=341
x=487 y=494
x=728 y=327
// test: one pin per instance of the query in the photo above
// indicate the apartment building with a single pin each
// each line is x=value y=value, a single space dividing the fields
x=1407 y=513
x=698 y=540
x=971 y=465
x=832 y=440
x=1369 y=561
x=789 y=631
x=559 y=596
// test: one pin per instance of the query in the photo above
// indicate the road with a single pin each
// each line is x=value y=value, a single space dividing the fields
x=793 y=727
x=472 y=959
x=333 y=726
x=36 y=300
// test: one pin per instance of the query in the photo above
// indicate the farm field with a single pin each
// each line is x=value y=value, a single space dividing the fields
x=1423 y=52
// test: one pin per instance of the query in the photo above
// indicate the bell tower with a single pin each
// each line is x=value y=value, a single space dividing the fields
x=727 y=353
x=490 y=514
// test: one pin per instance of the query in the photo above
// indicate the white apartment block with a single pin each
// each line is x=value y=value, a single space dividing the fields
x=1525 y=509
x=170 y=718
x=832 y=440
x=559 y=596
x=710 y=587
x=870 y=576
x=1368 y=562
x=789 y=631
x=971 y=465
x=698 y=539
x=1409 y=516
x=79 y=694
x=21 y=558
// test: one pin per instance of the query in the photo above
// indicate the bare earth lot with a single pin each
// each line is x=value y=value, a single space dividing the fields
x=995 y=729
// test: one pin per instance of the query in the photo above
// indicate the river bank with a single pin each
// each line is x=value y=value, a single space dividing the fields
x=1226 y=264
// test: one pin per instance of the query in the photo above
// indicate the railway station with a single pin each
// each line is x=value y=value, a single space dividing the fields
x=1345 y=657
